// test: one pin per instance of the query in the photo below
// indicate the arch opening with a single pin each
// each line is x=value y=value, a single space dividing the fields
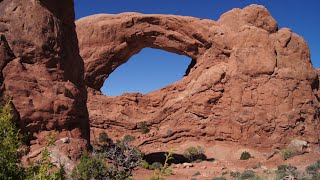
x=149 y=70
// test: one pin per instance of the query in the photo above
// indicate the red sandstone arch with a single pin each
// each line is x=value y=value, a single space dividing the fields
x=252 y=83
x=110 y=40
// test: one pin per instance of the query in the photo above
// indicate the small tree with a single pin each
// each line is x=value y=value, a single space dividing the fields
x=109 y=160
x=9 y=145
x=194 y=153
x=44 y=168
x=123 y=156
x=245 y=155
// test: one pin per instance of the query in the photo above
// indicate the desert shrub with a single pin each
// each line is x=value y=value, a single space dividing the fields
x=314 y=168
x=123 y=157
x=286 y=170
x=143 y=127
x=144 y=164
x=156 y=177
x=128 y=138
x=218 y=178
x=245 y=155
x=288 y=153
x=89 y=167
x=194 y=153
x=247 y=174
x=316 y=176
x=225 y=173
x=235 y=175
x=44 y=168
x=9 y=145
x=165 y=169
x=156 y=165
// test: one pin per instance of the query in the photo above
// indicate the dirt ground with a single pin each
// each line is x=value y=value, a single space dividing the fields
x=227 y=159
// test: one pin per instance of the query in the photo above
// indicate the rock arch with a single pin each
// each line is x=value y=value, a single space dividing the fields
x=121 y=36
x=249 y=83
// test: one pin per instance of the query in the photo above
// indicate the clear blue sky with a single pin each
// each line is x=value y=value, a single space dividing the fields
x=152 y=69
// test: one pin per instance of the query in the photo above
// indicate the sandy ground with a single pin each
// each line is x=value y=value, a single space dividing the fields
x=226 y=159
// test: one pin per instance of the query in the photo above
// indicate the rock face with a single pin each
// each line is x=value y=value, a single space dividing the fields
x=42 y=71
x=248 y=82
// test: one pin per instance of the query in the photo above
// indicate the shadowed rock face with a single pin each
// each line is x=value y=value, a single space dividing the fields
x=42 y=71
x=251 y=83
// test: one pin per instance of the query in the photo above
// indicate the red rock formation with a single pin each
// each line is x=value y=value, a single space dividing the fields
x=249 y=82
x=42 y=71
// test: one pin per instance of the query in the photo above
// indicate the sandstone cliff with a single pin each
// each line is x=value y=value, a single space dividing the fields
x=42 y=71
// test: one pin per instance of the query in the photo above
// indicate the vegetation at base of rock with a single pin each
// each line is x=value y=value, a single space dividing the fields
x=285 y=171
x=144 y=164
x=128 y=138
x=155 y=166
x=313 y=171
x=10 y=142
x=288 y=153
x=9 y=145
x=143 y=127
x=44 y=168
x=248 y=174
x=235 y=174
x=219 y=178
x=245 y=155
x=313 y=168
x=109 y=160
x=89 y=167
x=164 y=170
x=194 y=153
x=156 y=177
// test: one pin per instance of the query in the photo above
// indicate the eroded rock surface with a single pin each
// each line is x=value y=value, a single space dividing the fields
x=42 y=71
x=248 y=83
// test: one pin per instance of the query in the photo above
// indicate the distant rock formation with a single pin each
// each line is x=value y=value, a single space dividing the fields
x=42 y=71
x=248 y=82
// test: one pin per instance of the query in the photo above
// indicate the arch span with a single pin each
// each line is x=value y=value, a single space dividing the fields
x=110 y=40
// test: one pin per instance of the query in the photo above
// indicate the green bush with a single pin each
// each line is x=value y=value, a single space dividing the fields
x=245 y=155
x=248 y=174
x=9 y=145
x=285 y=170
x=156 y=166
x=235 y=175
x=143 y=127
x=89 y=167
x=128 y=138
x=194 y=153
x=156 y=177
x=218 y=178
x=288 y=153
x=44 y=169
x=122 y=156
x=144 y=164
x=314 y=168
x=316 y=176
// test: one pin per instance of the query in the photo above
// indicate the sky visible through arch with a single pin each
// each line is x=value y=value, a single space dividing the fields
x=302 y=17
